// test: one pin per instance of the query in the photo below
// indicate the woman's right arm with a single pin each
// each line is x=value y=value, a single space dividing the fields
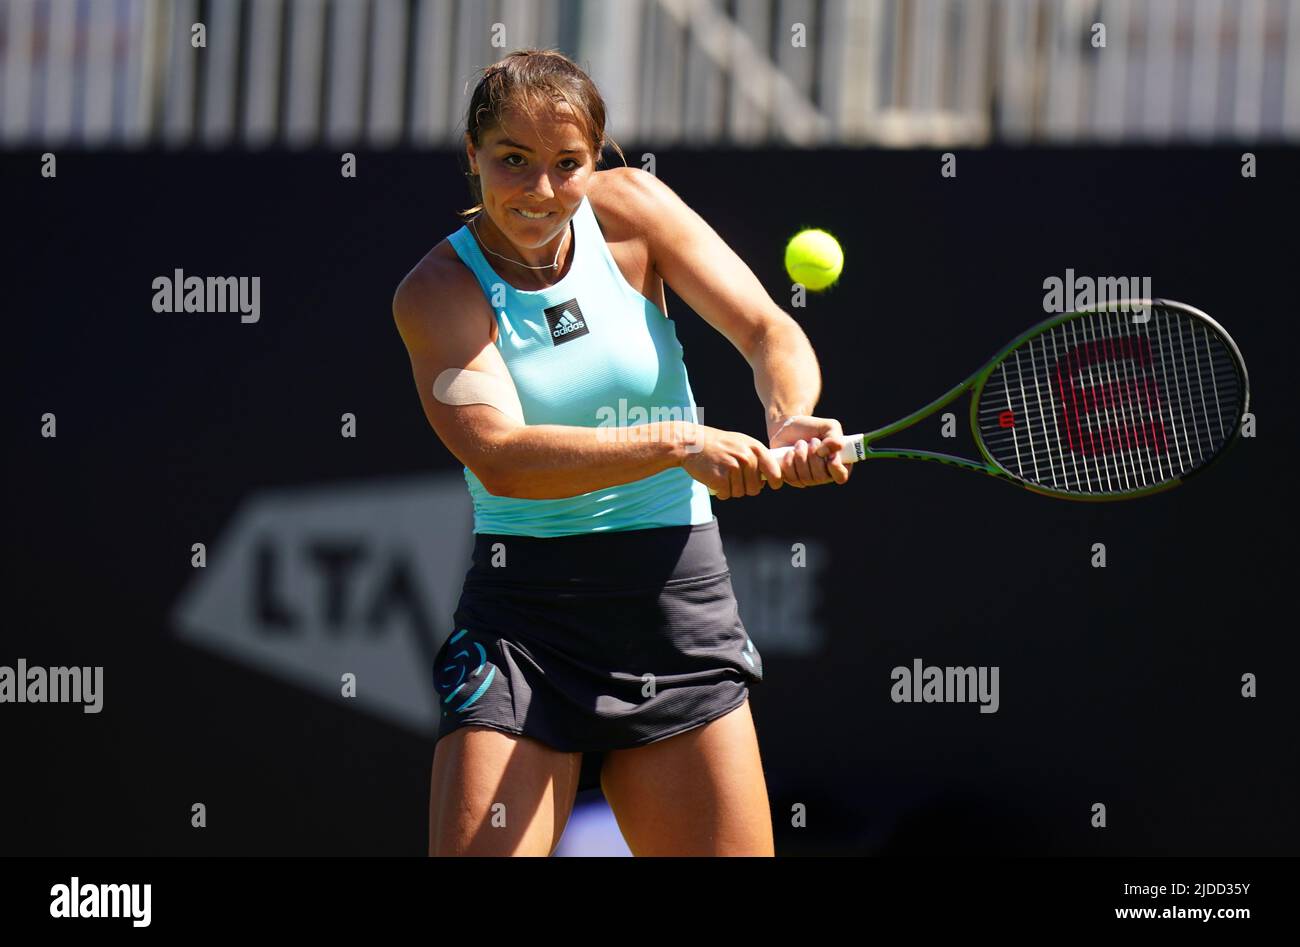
x=445 y=322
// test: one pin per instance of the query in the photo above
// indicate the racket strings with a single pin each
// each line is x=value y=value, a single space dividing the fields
x=1102 y=404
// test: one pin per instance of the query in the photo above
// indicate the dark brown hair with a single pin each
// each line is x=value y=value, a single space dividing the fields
x=532 y=80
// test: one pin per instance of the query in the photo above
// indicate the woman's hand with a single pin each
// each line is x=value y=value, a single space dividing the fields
x=817 y=444
x=730 y=463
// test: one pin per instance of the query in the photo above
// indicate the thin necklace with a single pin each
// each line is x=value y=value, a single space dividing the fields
x=516 y=262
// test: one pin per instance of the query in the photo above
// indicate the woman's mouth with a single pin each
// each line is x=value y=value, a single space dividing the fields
x=532 y=214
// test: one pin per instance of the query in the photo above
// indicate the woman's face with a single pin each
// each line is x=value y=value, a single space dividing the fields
x=537 y=165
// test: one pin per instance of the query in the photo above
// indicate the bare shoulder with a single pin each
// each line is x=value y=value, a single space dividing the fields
x=440 y=297
x=643 y=209
x=639 y=215
x=438 y=273
x=628 y=201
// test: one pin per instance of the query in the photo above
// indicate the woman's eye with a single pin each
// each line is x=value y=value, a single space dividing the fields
x=573 y=164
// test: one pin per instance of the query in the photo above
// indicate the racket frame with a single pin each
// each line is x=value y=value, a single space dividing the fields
x=976 y=382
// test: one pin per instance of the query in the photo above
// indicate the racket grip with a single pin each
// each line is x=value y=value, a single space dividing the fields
x=851 y=453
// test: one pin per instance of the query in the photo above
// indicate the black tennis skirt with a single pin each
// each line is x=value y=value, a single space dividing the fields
x=596 y=642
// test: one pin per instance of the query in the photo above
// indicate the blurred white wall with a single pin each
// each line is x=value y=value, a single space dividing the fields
x=803 y=73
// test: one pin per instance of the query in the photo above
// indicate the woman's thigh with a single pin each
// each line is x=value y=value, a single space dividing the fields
x=494 y=793
x=700 y=792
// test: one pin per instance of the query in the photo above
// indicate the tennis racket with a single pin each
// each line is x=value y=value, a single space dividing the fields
x=1095 y=405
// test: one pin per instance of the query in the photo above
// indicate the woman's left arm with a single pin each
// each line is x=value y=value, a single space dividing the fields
x=710 y=278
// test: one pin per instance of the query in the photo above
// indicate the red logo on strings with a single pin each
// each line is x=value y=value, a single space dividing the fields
x=1007 y=419
x=1119 y=408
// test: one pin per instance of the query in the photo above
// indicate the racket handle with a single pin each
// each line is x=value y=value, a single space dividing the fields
x=851 y=453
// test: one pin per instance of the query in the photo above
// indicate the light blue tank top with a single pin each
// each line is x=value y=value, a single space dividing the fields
x=590 y=351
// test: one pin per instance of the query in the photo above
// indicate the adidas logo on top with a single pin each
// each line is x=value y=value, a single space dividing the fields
x=566 y=322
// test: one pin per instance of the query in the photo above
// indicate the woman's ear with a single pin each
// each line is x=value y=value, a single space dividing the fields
x=470 y=152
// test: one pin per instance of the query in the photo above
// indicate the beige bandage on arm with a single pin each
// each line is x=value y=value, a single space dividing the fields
x=460 y=386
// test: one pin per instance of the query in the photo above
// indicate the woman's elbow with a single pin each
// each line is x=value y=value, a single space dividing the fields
x=495 y=481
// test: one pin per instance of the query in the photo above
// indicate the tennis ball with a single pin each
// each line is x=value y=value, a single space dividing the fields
x=814 y=258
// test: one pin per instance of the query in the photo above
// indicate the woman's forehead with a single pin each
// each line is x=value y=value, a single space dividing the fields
x=556 y=128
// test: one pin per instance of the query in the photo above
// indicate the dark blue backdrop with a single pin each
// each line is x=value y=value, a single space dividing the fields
x=1118 y=685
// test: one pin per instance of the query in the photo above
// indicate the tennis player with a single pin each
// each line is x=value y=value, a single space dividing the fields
x=597 y=640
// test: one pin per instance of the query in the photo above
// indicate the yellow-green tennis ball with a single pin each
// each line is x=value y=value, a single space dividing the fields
x=814 y=258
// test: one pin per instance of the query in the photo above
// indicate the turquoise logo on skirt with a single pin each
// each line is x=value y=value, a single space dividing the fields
x=457 y=675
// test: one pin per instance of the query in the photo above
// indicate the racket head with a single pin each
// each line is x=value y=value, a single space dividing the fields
x=1096 y=405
